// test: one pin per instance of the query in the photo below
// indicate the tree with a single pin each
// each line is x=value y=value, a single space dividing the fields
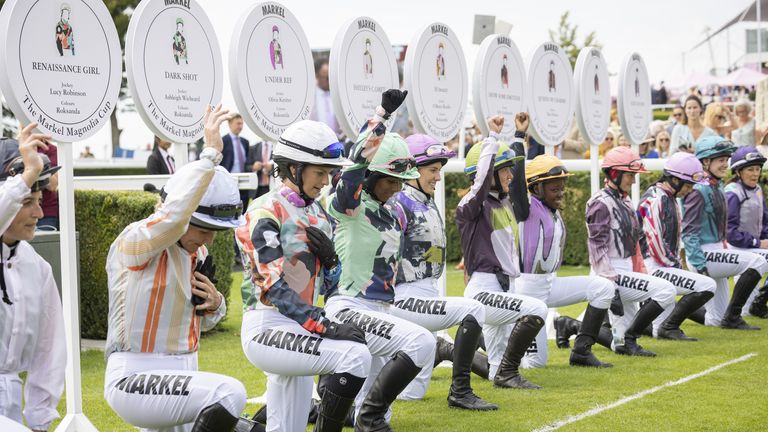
x=565 y=36
x=120 y=11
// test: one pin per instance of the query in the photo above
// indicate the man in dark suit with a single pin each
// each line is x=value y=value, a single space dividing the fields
x=259 y=161
x=235 y=153
x=160 y=161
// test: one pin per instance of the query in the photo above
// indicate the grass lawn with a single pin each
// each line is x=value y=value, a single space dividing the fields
x=733 y=398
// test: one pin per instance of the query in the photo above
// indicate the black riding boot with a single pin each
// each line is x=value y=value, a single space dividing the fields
x=214 y=418
x=392 y=380
x=590 y=328
x=644 y=317
x=741 y=291
x=338 y=393
x=689 y=304
x=461 y=394
x=519 y=340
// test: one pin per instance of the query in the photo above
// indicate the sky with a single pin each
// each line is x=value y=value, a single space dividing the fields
x=659 y=30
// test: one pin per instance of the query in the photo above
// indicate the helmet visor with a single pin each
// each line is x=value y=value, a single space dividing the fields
x=436 y=150
x=396 y=166
x=634 y=166
x=697 y=177
x=333 y=151
x=558 y=171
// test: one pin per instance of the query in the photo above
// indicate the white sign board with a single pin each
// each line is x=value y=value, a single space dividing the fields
x=499 y=83
x=61 y=65
x=634 y=99
x=435 y=74
x=174 y=67
x=271 y=69
x=362 y=66
x=551 y=94
x=593 y=95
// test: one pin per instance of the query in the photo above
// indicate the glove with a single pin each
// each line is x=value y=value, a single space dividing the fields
x=392 y=99
x=322 y=247
x=344 y=331
x=617 y=308
x=208 y=269
x=703 y=271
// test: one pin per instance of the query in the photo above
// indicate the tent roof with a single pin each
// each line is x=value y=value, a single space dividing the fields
x=742 y=77
x=749 y=14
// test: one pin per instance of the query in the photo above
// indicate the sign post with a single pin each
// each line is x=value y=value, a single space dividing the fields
x=435 y=73
x=362 y=67
x=593 y=105
x=271 y=69
x=69 y=86
x=499 y=83
x=634 y=103
x=174 y=68
x=551 y=95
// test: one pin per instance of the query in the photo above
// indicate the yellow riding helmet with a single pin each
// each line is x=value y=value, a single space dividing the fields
x=545 y=167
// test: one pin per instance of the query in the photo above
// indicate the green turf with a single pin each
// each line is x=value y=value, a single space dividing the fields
x=730 y=399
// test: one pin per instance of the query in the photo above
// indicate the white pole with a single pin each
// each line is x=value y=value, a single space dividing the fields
x=594 y=168
x=759 y=38
x=442 y=283
x=636 y=185
x=75 y=420
x=180 y=154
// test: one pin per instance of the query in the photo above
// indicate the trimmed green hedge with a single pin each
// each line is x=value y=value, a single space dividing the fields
x=100 y=217
x=576 y=196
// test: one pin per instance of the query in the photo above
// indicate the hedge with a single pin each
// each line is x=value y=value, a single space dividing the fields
x=99 y=217
x=576 y=196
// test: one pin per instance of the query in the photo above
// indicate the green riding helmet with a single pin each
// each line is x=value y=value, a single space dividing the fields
x=394 y=159
x=505 y=156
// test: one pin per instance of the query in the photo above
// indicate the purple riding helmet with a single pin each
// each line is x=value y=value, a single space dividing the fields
x=427 y=150
x=746 y=156
x=686 y=167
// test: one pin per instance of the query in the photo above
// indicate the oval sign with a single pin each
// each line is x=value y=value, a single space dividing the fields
x=435 y=73
x=173 y=61
x=499 y=83
x=634 y=99
x=61 y=65
x=362 y=66
x=593 y=95
x=271 y=69
x=552 y=96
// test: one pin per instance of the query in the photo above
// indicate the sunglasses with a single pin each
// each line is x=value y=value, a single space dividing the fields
x=664 y=139
x=333 y=151
x=554 y=172
x=397 y=166
x=677 y=115
x=435 y=150
x=609 y=138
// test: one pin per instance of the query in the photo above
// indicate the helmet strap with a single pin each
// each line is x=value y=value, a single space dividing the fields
x=297 y=180
x=677 y=184
x=498 y=187
x=418 y=187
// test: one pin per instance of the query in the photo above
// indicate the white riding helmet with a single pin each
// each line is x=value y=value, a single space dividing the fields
x=220 y=208
x=311 y=142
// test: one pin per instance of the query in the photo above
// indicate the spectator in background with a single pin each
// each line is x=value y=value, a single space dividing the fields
x=663 y=96
x=646 y=148
x=621 y=141
x=603 y=147
x=675 y=118
x=745 y=132
x=160 y=160
x=574 y=145
x=323 y=109
x=50 y=206
x=691 y=128
x=260 y=162
x=86 y=154
x=718 y=117
x=662 y=144
x=235 y=154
